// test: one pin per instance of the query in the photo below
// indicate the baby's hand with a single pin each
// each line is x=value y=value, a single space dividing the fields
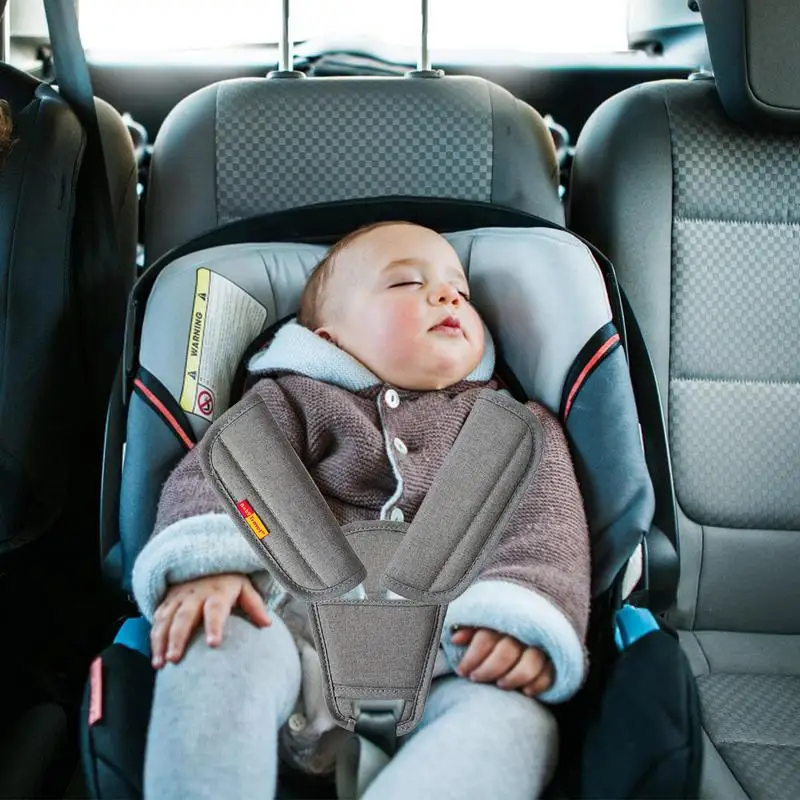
x=211 y=599
x=493 y=656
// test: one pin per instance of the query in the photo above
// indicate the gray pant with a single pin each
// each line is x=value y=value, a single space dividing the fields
x=216 y=716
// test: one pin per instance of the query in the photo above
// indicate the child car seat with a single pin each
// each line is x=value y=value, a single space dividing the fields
x=470 y=121
x=524 y=281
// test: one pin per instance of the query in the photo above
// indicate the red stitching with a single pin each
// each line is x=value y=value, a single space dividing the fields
x=164 y=413
x=604 y=348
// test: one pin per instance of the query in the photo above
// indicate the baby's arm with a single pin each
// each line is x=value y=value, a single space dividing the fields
x=194 y=536
x=535 y=585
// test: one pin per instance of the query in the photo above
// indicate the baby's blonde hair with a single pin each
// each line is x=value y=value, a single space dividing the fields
x=313 y=297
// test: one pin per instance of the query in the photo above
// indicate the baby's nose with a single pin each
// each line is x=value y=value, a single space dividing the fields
x=446 y=294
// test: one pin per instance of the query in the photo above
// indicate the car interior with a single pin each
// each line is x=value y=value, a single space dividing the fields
x=664 y=133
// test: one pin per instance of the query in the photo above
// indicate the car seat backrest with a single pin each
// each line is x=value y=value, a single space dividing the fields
x=539 y=290
x=44 y=402
x=699 y=216
x=252 y=146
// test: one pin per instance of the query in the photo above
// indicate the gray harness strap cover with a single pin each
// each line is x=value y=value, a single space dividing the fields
x=376 y=653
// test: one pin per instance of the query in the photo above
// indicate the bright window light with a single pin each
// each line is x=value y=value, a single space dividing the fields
x=538 y=26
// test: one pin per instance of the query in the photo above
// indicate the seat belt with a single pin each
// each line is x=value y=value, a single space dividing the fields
x=661 y=545
x=102 y=295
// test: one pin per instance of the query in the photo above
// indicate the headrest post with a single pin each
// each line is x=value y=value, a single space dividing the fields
x=5 y=31
x=424 y=57
x=285 y=49
x=423 y=69
x=285 y=41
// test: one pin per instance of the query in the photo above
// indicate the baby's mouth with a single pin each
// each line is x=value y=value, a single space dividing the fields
x=449 y=326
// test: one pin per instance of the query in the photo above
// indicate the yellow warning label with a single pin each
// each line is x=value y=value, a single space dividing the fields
x=224 y=320
x=256 y=525
x=196 y=332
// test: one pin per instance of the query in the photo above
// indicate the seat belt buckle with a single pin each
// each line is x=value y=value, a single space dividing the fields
x=376 y=720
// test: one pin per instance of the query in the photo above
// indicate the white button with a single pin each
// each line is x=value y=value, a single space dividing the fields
x=392 y=398
x=397 y=515
x=296 y=723
x=400 y=446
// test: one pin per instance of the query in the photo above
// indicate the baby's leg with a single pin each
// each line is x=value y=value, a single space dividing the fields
x=216 y=715
x=474 y=741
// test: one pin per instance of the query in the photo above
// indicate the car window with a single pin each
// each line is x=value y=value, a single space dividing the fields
x=566 y=26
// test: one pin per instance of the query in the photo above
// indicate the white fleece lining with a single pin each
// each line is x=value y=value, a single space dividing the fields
x=528 y=616
x=295 y=348
x=205 y=544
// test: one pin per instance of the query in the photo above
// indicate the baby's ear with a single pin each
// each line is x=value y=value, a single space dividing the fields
x=324 y=333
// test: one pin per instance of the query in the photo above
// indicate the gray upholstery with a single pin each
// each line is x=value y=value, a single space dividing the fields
x=699 y=217
x=753 y=46
x=252 y=146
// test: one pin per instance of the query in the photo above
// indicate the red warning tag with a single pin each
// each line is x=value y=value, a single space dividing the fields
x=96 y=691
x=252 y=519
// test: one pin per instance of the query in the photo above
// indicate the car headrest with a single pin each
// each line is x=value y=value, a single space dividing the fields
x=252 y=146
x=539 y=291
x=753 y=48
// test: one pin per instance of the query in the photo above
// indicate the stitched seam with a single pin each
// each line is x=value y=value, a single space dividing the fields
x=326 y=672
x=376 y=689
x=751 y=743
x=432 y=651
x=738 y=381
x=749 y=223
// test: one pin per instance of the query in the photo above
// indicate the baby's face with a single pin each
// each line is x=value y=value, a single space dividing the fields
x=398 y=302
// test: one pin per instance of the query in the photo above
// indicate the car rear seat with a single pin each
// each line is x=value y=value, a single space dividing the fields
x=691 y=188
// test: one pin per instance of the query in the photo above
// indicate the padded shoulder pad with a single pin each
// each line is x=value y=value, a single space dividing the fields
x=478 y=488
x=269 y=493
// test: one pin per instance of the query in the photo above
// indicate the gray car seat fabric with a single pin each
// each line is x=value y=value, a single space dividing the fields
x=699 y=217
x=252 y=146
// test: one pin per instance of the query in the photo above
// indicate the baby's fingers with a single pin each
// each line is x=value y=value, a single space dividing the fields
x=183 y=626
x=252 y=604
x=526 y=670
x=216 y=610
x=462 y=636
x=504 y=655
x=482 y=644
x=159 y=633
x=542 y=682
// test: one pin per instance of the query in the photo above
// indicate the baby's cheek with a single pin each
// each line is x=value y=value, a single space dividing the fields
x=400 y=329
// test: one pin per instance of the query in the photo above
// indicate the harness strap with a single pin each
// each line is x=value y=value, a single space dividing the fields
x=375 y=648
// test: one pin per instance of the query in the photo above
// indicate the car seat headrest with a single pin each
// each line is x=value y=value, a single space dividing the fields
x=756 y=61
x=206 y=307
